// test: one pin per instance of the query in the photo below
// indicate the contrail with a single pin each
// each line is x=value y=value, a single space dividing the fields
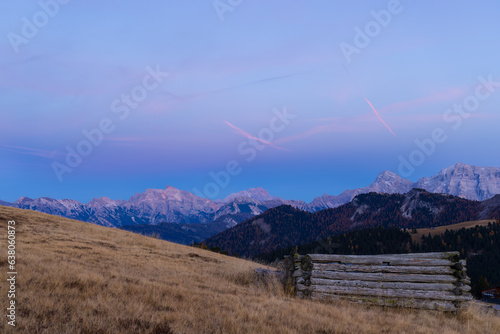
x=369 y=103
x=249 y=136
x=376 y=113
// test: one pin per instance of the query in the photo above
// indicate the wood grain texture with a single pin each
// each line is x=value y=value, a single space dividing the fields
x=386 y=293
x=384 y=277
x=433 y=270
x=390 y=285
x=423 y=280
x=424 y=259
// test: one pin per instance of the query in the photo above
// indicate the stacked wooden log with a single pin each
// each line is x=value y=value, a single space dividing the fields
x=426 y=280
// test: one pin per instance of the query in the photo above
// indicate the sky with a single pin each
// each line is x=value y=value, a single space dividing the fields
x=302 y=98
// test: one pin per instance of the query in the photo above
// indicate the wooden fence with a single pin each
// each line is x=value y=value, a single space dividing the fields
x=423 y=280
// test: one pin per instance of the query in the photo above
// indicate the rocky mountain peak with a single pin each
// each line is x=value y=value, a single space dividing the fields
x=258 y=194
x=390 y=183
x=22 y=200
x=466 y=181
x=104 y=202
x=387 y=174
x=173 y=205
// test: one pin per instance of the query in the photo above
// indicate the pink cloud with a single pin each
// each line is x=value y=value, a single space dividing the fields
x=249 y=136
x=448 y=95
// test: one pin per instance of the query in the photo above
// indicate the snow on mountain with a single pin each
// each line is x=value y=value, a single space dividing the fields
x=153 y=206
x=242 y=205
x=172 y=205
x=390 y=183
x=65 y=207
x=386 y=182
x=462 y=180
x=258 y=194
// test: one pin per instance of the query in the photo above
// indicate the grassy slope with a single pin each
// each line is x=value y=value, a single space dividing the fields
x=75 y=277
x=417 y=237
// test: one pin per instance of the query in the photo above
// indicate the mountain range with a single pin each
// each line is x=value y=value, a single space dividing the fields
x=287 y=226
x=161 y=207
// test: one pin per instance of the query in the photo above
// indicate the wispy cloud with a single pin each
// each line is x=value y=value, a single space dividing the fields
x=30 y=151
x=447 y=95
x=249 y=136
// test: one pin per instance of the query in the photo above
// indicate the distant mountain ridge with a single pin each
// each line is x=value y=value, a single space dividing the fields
x=386 y=182
x=171 y=205
x=286 y=226
x=461 y=180
x=471 y=182
x=154 y=206
x=258 y=194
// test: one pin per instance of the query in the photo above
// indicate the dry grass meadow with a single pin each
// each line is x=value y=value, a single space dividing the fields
x=417 y=237
x=75 y=277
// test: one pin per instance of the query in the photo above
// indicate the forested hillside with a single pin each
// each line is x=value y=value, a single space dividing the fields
x=286 y=226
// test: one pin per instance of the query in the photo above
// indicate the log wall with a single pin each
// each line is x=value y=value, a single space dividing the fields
x=424 y=280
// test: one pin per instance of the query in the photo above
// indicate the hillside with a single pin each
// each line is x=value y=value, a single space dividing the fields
x=75 y=277
x=417 y=237
x=286 y=226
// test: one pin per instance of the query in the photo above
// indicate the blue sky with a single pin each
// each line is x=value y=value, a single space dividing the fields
x=192 y=94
